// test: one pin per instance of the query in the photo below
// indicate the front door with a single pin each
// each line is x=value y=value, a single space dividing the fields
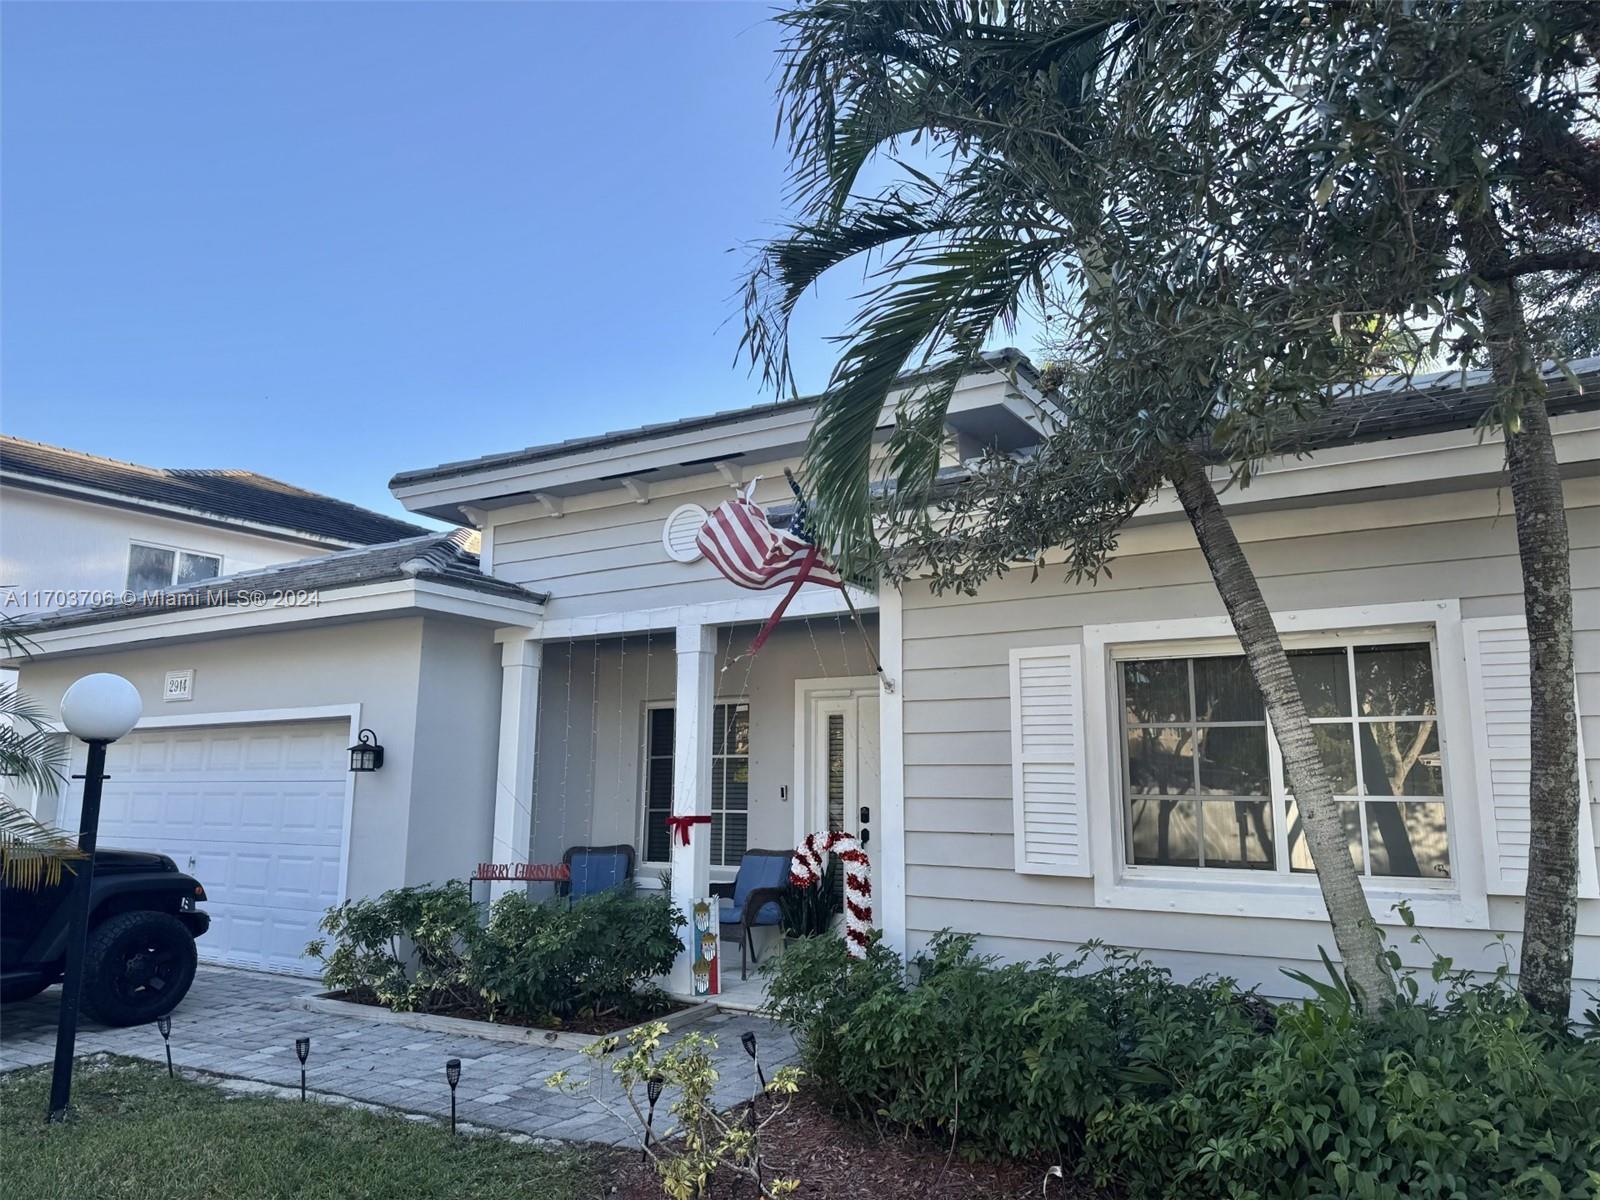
x=838 y=764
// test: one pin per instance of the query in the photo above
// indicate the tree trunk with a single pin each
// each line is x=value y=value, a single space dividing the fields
x=1550 y=911
x=1355 y=933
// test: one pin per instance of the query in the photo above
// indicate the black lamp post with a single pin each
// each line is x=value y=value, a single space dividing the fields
x=302 y=1051
x=164 y=1027
x=98 y=709
x=452 y=1076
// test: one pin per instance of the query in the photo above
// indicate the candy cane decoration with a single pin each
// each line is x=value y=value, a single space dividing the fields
x=807 y=870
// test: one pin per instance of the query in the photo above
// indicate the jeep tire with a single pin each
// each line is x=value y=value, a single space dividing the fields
x=137 y=966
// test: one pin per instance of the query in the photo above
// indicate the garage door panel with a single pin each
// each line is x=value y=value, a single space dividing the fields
x=256 y=813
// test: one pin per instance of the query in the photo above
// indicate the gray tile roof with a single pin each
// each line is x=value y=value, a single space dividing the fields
x=1396 y=406
x=447 y=558
x=219 y=494
x=1000 y=360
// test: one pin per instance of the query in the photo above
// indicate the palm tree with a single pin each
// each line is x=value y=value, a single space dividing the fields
x=32 y=755
x=1011 y=202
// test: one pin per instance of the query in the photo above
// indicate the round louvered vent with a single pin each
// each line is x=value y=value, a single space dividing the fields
x=677 y=535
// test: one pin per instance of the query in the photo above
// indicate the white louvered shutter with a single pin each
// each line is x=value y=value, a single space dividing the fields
x=1498 y=694
x=1051 y=821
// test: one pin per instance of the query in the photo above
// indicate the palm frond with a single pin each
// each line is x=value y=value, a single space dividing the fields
x=31 y=852
x=31 y=750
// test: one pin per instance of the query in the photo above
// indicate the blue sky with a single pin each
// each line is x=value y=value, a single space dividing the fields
x=332 y=241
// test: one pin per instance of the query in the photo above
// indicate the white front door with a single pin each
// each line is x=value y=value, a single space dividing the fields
x=254 y=812
x=837 y=761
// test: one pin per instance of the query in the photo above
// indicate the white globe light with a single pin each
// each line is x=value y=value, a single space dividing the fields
x=101 y=708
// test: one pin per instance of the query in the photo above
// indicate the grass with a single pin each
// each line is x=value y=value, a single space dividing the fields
x=137 y=1135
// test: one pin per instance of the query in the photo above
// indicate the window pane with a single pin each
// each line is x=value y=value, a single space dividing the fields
x=1395 y=680
x=149 y=569
x=192 y=568
x=736 y=791
x=1338 y=746
x=662 y=727
x=1324 y=680
x=1300 y=853
x=1156 y=690
x=719 y=729
x=730 y=833
x=657 y=847
x=1225 y=691
x=1238 y=833
x=1401 y=758
x=1408 y=839
x=1164 y=833
x=1161 y=761
x=1233 y=760
x=739 y=729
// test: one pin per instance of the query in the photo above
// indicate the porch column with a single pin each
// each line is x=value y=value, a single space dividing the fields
x=519 y=724
x=691 y=779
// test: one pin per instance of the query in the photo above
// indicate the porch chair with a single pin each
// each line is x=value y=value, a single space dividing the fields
x=761 y=878
x=594 y=869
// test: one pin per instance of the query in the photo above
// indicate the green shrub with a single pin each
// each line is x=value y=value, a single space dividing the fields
x=1198 y=1090
x=428 y=949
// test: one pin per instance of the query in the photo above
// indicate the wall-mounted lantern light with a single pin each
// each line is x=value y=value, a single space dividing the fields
x=366 y=754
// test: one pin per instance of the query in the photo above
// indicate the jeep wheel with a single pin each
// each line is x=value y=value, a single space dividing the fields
x=136 y=967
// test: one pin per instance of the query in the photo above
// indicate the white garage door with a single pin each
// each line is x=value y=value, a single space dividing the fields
x=254 y=812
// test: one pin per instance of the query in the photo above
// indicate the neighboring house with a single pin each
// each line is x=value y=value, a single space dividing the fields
x=1044 y=764
x=74 y=526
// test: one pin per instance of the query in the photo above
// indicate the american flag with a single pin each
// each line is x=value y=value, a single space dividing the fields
x=740 y=540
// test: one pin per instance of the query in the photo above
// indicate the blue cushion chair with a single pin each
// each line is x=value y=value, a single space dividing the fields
x=594 y=869
x=761 y=879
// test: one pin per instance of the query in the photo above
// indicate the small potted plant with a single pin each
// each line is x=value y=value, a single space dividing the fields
x=810 y=911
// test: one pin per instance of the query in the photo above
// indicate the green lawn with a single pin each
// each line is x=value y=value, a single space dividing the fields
x=139 y=1136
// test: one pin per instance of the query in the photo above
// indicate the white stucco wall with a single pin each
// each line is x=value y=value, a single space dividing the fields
x=50 y=543
x=427 y=687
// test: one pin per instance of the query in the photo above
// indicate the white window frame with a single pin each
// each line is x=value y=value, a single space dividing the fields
x=142 y=544
x=1459 y=901
x=719 y=873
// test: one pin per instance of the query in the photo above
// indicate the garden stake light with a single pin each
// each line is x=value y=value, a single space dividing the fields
x=748 y=1041
x=652 y=1089
x=302 y=1049
x=164 y=1024
x=452 y=1075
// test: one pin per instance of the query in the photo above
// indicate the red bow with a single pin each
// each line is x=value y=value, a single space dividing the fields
x=680 y=826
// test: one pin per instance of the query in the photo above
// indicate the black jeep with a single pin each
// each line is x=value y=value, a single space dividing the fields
x=140 y=959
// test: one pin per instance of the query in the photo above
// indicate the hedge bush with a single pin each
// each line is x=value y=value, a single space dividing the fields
x=1105 y=1064
x=429 y=949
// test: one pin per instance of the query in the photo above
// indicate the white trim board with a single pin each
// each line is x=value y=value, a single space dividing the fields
x=1463 y=904
x=892 y=770
x=390 y=598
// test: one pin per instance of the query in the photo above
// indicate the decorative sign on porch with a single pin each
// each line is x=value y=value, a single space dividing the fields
x=806 y=869
x=705 y=931
x=523 y=872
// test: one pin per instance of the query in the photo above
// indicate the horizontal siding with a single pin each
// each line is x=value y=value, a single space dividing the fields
x=610 y=559
x=957 y=718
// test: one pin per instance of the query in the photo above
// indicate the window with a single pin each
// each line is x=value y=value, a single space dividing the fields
x=1204 y=786
x=730 y=783
x=152 y=568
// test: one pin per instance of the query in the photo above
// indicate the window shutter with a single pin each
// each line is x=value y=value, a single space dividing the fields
x=1051 y=830
x=1498 y=694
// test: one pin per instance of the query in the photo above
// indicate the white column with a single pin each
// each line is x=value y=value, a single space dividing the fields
x=519 y=724
x=889 y=856
x=693 y=709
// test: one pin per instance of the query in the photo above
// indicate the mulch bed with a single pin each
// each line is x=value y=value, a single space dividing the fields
x=609 y=1023
x=838 y=1159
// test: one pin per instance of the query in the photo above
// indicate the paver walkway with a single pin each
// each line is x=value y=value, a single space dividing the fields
x=244 y=1024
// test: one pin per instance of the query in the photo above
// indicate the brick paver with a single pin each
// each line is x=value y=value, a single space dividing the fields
x=244 y=1024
